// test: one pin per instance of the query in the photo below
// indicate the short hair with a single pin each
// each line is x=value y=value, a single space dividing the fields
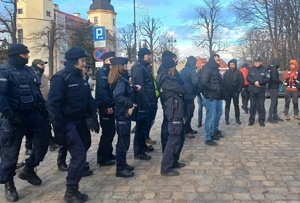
x=214 y=55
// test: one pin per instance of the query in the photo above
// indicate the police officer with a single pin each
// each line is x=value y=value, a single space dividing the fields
x=174 y=107
x=258 y=78
x=72 y=112
x=105 y=104
x=141 y=75
x=20 y=104
x=123 y=96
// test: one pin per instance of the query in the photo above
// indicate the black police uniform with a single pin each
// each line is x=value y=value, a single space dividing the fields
x=257 y=94
x=104 y=99
x=69 y=104
x=172 y=91
x=20 y=104
x=141 y=75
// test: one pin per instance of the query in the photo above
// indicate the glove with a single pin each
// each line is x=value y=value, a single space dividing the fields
x=44 y=113
x=14 y=121
x=58 y=137
x=92 y=124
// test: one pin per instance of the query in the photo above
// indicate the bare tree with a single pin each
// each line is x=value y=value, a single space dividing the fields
x=126 y=41
x=46 y=40
x=165 y=42
x=8 y=19
x=209 y=23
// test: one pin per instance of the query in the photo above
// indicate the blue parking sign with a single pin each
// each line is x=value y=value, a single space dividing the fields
x=99 y=33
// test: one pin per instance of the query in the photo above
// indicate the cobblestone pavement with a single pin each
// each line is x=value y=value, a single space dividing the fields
x=251 y=164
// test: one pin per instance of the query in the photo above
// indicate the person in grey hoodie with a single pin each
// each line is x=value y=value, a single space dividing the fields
x=190 y=81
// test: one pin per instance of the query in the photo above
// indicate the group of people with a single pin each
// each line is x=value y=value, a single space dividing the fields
x=121 y=96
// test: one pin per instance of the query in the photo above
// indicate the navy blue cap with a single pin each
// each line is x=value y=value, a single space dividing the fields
x=257 y=59
x=143 y=51
x=16 y=49
x=107 y=55
x=168 y=62
x=75 y=53
x=118 y=60
x=168 y=53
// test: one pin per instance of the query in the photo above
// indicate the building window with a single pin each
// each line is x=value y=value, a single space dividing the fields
x=48 y=13
x=20 y=36
x=20 y=10
x=95 y=20
x=114 y=22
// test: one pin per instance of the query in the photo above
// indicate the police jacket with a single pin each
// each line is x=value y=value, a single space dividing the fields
x=69 y=97
x=259 y=74
x=233 y=79
x=173 y=92
x=274 y=78
x=141 y=75
x=19 y=90
x=211 y=80
x=104 y=97
x=190 y=79
x=123 y=95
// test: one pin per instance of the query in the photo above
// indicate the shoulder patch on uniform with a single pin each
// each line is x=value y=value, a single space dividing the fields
x=74 y=85
x=3 y=80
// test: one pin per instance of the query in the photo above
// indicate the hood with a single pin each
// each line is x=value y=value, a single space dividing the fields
x=212 y=64
x=191 y=62
x=295 y=63
x=232 y=61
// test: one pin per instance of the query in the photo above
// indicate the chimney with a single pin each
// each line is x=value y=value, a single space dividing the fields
x=56 y=7
x=76 y=14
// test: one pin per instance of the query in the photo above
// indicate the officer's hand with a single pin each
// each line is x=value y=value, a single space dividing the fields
x=44 y=113
x=14 y=121
x=58 y=137
x=92 y=124
x=109 y=111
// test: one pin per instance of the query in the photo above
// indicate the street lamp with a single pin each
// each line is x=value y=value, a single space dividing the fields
x=172 y=41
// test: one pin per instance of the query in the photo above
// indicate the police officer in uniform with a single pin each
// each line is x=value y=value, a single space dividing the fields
x=72 y=112
x=105 y=104
x=20 y=105
x=123 y=96
x=258 y=78
x=174 y=107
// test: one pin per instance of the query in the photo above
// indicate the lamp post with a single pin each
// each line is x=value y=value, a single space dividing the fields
x=134 y=27
x=172 y=41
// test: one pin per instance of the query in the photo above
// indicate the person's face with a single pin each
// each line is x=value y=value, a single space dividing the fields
x=292 y=66
x=41 y=66
x=81 y=63
x=175 y=60
x=217 y=59
x=231 y=65
x=147 y=57
x=257 y=64
x=84 y=70
x=125 y=67
x=25 y=55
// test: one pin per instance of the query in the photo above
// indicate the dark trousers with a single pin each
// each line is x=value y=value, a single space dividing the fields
x=142 y=130
x=190 y=107
x=105 y=148
x=257 y=102
x=245 y=97
x=173 y=147
x=10 y=142
x=123 y=131
x=164 y=132
x=291 y=95
x=235 y=98
x=153 y=111
x=274 y=103
x=73 y=142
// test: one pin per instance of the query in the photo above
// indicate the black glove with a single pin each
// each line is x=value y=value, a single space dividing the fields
x=58 y=137
x=44 y=113
x=92 y=124
x=14 y=121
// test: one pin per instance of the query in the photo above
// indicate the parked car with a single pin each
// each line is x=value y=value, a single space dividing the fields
x=281 y=87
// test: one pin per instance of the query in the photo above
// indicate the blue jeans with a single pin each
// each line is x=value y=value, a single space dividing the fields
x=200 y=108
x=219 y=112
x=211 y=107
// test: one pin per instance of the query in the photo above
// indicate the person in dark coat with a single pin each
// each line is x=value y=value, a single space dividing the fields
x=105 y=104
x=273 y=88
x=146 y=99
x=72 y=112
x=190 y=81
x=21 y=104
x=233 y=85
x=123 y=95
x=258 y=79
x=173 y=92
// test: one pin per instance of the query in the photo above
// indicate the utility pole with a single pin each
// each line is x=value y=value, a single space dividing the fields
x=134 y=25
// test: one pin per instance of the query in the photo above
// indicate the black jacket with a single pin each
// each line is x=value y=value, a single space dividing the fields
x=103 y=93
x=19 y=90
x=123 y=96
x=274 y=78
x=259 y=74
x=141 y=75
x=190 y=79
x=211 y=80
x=233 y=79
x=69 y=97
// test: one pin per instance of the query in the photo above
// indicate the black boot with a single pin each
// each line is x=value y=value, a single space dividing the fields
x=72 y=195
x=11 y=193
x=29 y=174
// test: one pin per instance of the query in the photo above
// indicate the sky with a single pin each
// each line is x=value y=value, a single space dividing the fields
x=176 y=16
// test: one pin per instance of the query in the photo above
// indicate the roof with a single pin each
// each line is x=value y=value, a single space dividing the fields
x=202 y=61
x=102 y=4
x=72 y=20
